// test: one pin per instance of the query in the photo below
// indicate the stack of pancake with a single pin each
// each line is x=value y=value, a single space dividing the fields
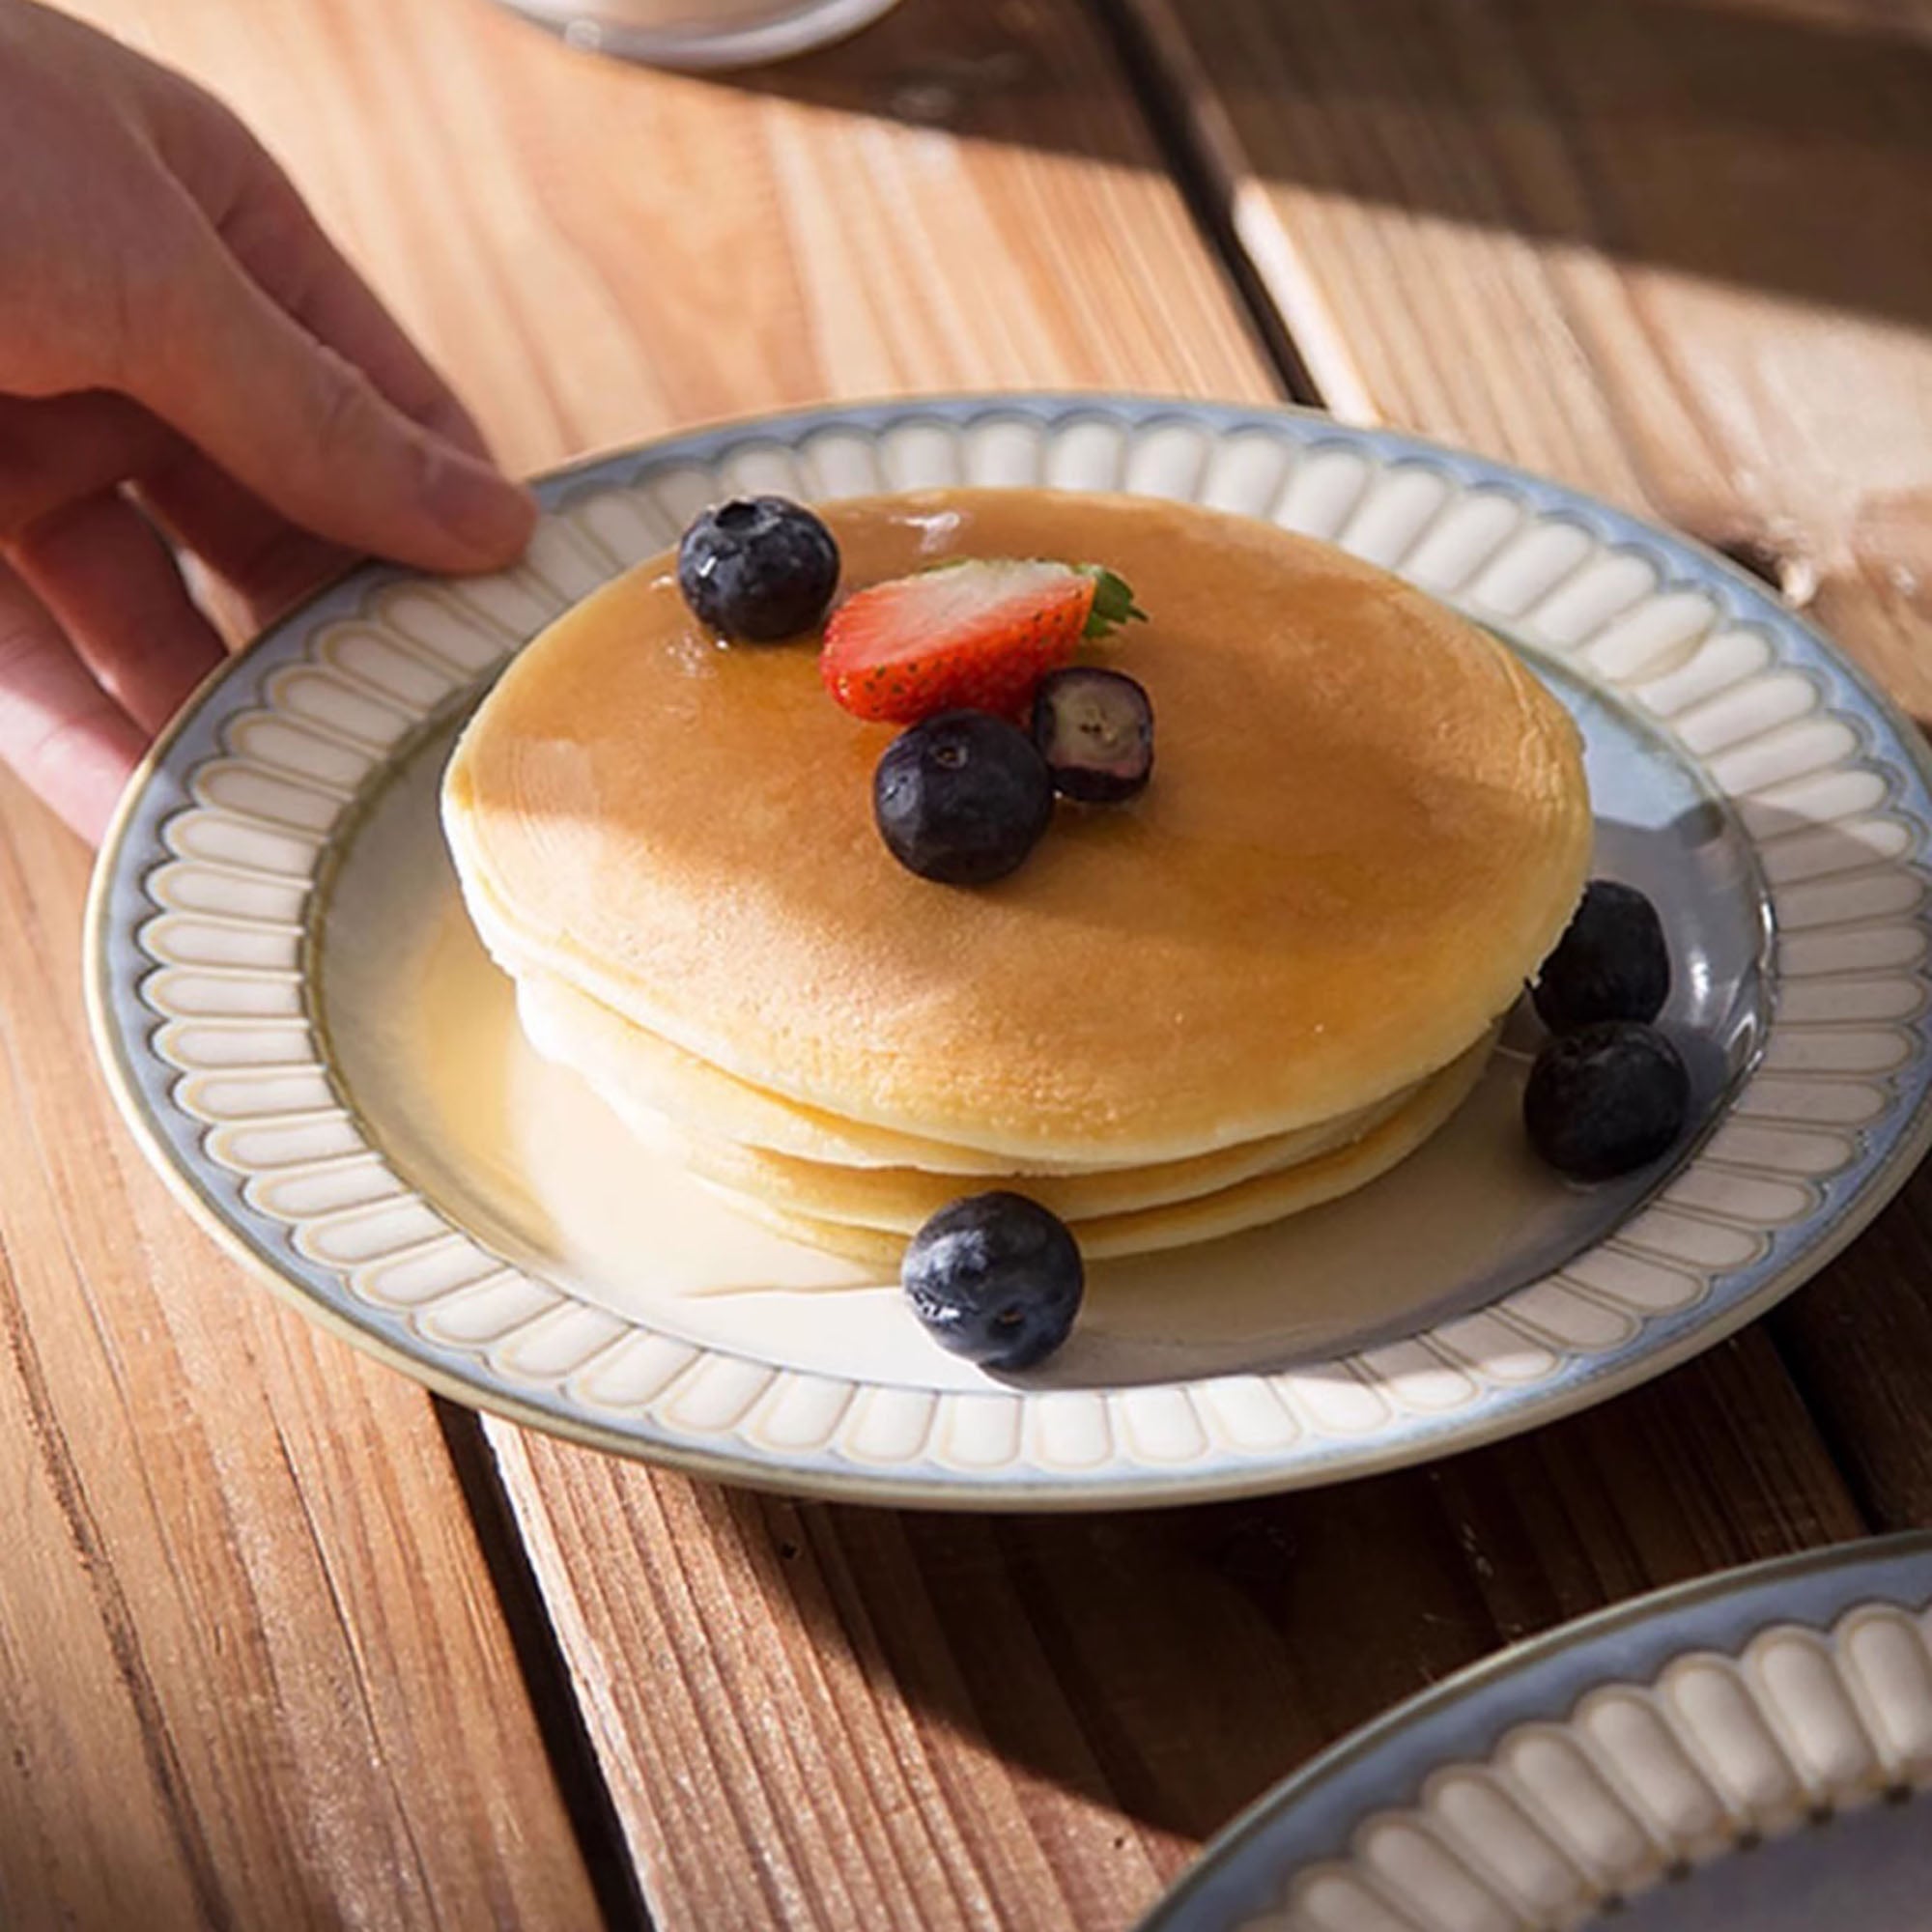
x=1254 y=988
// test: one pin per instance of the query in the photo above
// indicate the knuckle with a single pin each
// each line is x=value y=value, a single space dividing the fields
x=344 y=417
x=144 y=317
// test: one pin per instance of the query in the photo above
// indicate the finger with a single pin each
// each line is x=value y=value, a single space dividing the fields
x=253 y=549
x=279 y=241
x=262 y=217
x=55 y=450
x=298 y=425
x=59 y=731
x=110 y=582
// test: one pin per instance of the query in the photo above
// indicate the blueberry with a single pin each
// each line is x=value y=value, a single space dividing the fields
x=995 y=1278
x=757 y=569
x=1095 y=728
x=1606 y=1099
x=1611 y=964
x=962 y=798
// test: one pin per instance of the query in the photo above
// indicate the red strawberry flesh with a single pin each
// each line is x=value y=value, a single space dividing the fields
x=980 y=634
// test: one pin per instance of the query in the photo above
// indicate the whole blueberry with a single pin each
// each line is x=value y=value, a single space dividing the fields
x=757 y=569
x=996 y=1278
x=962 y=798
x=1606 y=1100
x=1095 y=728
x=1611 y=963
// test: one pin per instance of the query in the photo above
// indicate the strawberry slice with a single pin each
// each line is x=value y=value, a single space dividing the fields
x=979 y=633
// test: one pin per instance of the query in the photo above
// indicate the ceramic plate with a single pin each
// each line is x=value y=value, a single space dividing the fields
x=307 y=1039
x=1749 y=1753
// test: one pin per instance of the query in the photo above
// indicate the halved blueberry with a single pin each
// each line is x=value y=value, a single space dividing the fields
x=1095 y=728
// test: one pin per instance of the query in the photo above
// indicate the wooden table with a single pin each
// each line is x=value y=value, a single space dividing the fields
x=286 y=1643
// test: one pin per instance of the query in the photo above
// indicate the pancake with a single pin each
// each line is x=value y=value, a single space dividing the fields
x=762 y=1141
x=1367 y=826
x=902 y=1198
x=635 y=1070
x=1232 y=1211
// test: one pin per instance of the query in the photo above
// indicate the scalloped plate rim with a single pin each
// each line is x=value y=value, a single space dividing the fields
x=1398 y=1749
x=1663 y=1342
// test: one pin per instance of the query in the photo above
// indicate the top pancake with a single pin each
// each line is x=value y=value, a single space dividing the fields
x=1367 y=826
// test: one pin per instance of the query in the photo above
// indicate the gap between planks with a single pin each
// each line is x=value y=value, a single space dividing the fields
x=1295 y=317
x=588 y=1799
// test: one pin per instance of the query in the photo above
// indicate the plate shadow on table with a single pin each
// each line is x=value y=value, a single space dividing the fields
x=1858 y=1340
x=1172 y=1664
x=1808 y=140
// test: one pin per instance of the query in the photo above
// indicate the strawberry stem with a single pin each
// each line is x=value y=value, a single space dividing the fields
x=1113 y=601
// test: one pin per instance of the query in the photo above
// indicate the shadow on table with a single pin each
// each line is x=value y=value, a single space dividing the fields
x=1168 y=1666
x=1173 y=1666
x=1757 y=144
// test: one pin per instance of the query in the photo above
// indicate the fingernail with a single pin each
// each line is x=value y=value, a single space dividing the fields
x=478 y=506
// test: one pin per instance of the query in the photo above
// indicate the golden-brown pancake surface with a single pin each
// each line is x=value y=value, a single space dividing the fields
x=1367 y=825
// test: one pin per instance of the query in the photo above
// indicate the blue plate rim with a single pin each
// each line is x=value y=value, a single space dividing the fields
x=118 y=904
x=1310 y=1816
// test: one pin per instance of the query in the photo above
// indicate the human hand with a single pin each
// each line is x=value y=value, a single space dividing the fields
x=184 y=355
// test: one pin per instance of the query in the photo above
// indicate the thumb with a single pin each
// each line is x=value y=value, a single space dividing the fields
x=308 y=432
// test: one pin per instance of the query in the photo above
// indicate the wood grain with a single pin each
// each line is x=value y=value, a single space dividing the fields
x=824 y=1717
x=816 y=1716
x=812 y=1715
x=1027 y=1723
x=1671 y=251
x=253 y=1671
x=1860 y=1340
x=597 y=252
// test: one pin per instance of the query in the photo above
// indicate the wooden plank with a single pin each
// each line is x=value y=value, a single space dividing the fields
x=818 y=1716
x=600 y=253
x=1860 y=1338
x=1672 y=252
x=1027 y=1724
x=252 y=1669
x=466 y=160
x=825 y=1716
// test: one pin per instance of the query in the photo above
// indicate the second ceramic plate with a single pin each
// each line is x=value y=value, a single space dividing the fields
x=1749 y=1753
x=309 y=1040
